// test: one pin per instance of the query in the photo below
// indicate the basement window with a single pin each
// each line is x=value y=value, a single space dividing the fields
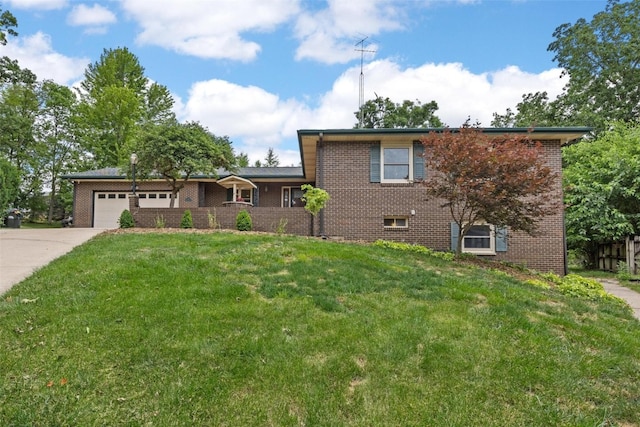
x=395 y=222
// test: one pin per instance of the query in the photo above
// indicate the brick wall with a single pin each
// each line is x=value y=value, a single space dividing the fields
x=357 y=208
x=297 y=220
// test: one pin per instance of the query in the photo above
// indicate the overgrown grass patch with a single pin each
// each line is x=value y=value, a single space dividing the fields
x=250 y=329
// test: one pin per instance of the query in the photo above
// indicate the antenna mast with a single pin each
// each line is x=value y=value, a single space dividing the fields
x=362 y=50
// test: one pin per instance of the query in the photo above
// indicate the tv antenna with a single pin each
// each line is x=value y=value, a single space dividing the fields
x=362 y=51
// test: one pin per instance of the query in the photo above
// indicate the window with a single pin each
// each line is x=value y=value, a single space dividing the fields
x=396 y=163
x=482 y=239
x=396 y=222
x=122 y=196
x=479 y=239
x=292 y=197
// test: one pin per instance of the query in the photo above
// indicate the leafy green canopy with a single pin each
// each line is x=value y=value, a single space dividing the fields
x=176 y=151
x=601 y=59
x=602 y=187
x=384 y=113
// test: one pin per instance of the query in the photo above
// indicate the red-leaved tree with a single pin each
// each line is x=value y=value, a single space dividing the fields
x=501 y=180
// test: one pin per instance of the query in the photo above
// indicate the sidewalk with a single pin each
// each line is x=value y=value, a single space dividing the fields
x=631 y=297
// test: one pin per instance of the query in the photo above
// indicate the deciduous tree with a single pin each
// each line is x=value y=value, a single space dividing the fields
x=176 y=151
x=384 y=113
x=502 y=180
x=602 y=189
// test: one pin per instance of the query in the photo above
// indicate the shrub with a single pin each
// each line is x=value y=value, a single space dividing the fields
x=126 y=219
x=212 y=219
x=282 y=226
x=160 y=221
x=447 y=256
x=187 y=220
x=243 y=221
x=582 y=287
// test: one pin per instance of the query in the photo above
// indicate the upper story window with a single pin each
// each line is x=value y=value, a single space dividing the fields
x=396 y=162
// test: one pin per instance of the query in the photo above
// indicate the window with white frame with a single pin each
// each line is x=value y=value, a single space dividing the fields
x=480 y=239
x=397 y=163
x=392 y=222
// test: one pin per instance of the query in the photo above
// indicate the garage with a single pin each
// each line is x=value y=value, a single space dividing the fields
x=108 y=205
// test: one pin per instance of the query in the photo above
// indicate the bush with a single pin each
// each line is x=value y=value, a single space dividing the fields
x=447 y=256
x=582 y=287
x=243 y=221
x=187 y=220
x=160 y=221
x=282 y=226
x=212 y=219
x=126 y=219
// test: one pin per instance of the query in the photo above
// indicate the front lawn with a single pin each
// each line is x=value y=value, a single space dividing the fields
x=196 y=328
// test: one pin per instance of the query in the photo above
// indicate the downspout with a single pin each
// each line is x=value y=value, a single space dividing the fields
x=320 y=178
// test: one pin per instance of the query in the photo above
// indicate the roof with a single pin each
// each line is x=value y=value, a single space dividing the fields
x=308 y=138
x=253 y=173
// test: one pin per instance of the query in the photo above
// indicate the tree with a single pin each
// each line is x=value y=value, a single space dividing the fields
x=9 y=184
x=384 y=113
x=602 y=61
x=55 y=131
x=242 y=160
x=314 y=200
x=117 y=100
x=271 y=161
x=602 y=189
x=176 y=151
x=534 y=110
x=501 y=180
x=7 y=24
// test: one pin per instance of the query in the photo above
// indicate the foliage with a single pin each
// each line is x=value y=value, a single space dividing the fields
x=187 y=220
x=126 y=219
x=602 y=188
x=176 y=151
x=582 y=287
x=501 y=180
x=281 y=228
x=243 y=221
x=447 y=256
x=242 y=160
x=600 y=58
x=160 y=222
x=9 y=182
x=623 y=271
x=384 y=113
x=117 y=100
x=55 y=130
x=7 y=24
x=212 y=219
x=314 y=198
x=241 y=330
x=271 y=161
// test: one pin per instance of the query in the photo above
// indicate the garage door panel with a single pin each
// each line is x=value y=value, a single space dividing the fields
x=108 y=205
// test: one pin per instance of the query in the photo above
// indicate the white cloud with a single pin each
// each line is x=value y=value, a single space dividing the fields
x=248 y=114
x=329 y=35
x=95 y=18
x=37 y=4
x=208 y=29
x=256 y=119
x=36 y=53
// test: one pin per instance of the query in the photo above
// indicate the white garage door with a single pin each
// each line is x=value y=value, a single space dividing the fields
x=108 y=206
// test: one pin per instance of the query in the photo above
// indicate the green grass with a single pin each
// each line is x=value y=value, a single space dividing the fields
x=262 y=330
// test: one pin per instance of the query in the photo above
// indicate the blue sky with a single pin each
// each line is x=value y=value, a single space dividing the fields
x=259 y=70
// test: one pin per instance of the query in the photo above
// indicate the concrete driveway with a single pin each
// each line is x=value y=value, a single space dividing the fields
x=24 y=250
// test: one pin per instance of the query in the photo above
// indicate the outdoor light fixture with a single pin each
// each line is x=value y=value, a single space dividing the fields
x=134 y=162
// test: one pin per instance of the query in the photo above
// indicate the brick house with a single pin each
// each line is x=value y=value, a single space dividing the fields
x=372 y=177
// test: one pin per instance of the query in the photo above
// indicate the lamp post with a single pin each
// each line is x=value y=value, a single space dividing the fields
x=134 y=162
